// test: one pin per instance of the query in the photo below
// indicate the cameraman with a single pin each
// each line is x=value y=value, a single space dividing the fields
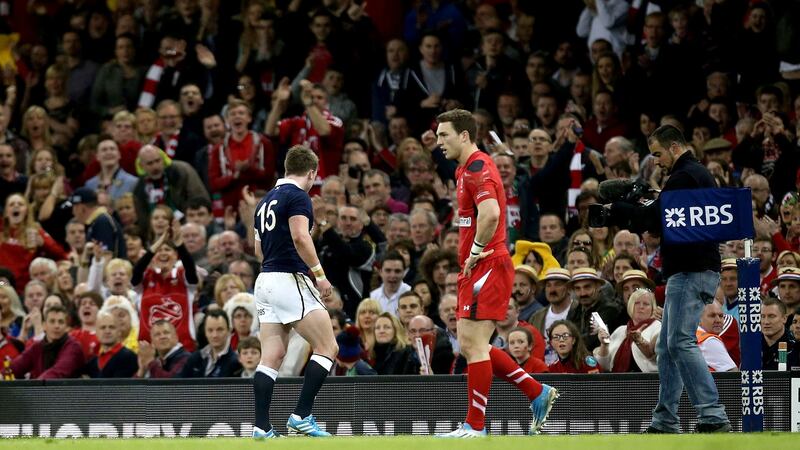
x=692 y=273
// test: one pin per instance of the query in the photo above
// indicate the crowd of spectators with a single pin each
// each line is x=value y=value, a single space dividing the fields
x=136 y=137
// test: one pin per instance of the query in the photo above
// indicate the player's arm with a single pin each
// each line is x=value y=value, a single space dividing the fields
x=298 y=227
x=488 y=218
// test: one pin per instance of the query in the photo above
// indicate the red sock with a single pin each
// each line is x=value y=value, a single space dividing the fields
x=479 y=380
x=506 y=368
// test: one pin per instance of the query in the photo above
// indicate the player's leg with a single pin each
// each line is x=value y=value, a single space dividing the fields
x=274 y=339
x=315 y=328
x=473 y=338
x=494 y=302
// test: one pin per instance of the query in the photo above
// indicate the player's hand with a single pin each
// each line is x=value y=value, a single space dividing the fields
x=429 y=140
x=325 y=288
x=472 y=261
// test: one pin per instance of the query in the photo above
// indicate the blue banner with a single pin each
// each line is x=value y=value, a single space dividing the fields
x=706 y=215
x=749 y=298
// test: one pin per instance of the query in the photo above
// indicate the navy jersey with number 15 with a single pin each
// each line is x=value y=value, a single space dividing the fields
x=271 y=224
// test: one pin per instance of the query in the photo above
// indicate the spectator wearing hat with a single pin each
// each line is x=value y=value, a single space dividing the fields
x=556 y=292
x=631 y=281
x=348 y=361
x=165 y=357
x=586 y=286
x=113 y=360
x=719 y=149
x=100 y=225
x=632 y=347
x=524 y=291
x=708 y=339
x=729 y=287
x=788 y=282
x=535 y=254
x=241 y=311
x=788 y=258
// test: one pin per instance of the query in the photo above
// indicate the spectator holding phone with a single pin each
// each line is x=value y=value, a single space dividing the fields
x=631 y=347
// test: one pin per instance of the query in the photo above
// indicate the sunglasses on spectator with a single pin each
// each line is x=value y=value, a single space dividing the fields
x=579 y=243
x=561 y=337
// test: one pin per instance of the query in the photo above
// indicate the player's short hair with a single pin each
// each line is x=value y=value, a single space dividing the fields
x=462 y=120
x=666 y=135
x=769 y=301
x=300 y=160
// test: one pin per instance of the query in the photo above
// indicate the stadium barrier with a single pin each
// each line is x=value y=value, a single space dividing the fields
x=386 y=405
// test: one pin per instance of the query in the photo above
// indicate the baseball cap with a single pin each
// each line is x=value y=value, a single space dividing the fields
x=83 y=195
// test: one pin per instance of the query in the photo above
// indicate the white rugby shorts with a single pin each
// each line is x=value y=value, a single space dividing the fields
x=285 y=297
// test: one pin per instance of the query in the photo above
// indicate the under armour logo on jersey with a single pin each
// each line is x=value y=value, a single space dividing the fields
x=466 y=307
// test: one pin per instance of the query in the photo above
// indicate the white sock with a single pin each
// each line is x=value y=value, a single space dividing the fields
x=326 y=363
x=268 y=371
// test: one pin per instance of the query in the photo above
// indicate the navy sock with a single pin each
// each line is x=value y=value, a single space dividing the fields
x=263 y=384
x=316 y=372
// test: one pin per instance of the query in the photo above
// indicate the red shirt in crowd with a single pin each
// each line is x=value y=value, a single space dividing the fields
x=88 y=341
x=589 y=365
x=298 y=130
x=167 y=298
x=534 y=365
x=17 y=258
x=256 y=149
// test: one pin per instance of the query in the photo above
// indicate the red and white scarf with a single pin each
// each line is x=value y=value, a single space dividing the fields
x=576 y=177
x=148 y=96
x=226 y=161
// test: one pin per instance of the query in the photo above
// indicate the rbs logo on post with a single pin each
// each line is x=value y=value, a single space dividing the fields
x=699 y=216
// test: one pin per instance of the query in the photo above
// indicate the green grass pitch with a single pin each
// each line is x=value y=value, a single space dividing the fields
x=731 y=441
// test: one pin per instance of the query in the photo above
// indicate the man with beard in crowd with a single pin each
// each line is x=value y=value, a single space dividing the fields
x=10 y=179
x=524 y=291
x=585 y=284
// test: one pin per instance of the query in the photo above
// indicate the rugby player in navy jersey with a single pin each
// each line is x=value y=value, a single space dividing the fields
x=285 y=296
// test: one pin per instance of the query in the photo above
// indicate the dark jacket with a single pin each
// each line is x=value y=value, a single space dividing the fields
x=389 y=361
x=226 y=366
x=348 y=265
x=183 y=184
x=769 y=354
x=687 y=173
x=169 y=367
x=106 y=230
x=609 y=311
x=441 y=360
x=123 y=364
